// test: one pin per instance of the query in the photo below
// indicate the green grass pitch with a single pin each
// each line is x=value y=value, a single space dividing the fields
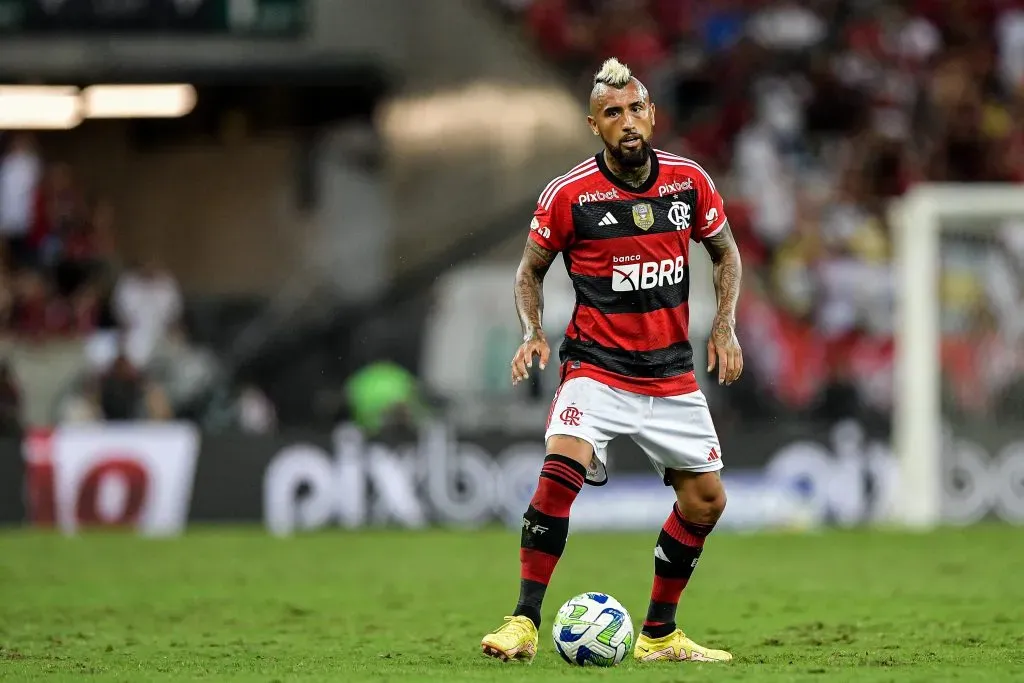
x=237 y=605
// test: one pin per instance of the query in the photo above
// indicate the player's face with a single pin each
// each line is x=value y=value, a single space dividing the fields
x=625 y=121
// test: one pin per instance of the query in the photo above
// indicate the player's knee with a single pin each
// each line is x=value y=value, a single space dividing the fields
x=716 y=504
x=701 y=498
x=571 y=447
x=704 y=509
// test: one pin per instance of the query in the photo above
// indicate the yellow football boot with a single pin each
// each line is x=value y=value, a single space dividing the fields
x=675 y=647
x=515 y=639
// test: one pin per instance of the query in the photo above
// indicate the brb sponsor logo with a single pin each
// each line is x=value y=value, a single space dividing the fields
x=673 y=188
x=598 y=196
x=632 y=277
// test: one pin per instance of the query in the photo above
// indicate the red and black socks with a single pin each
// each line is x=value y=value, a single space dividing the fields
x=675 y=557
x=545 y=530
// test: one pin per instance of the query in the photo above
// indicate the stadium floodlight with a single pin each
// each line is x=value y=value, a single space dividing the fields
x=171 y=100
x=918 y=221
x=39 y=107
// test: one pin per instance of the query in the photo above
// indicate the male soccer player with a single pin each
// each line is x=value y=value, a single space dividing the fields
x=623 y=220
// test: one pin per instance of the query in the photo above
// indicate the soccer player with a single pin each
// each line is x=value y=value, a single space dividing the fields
x=623 y=221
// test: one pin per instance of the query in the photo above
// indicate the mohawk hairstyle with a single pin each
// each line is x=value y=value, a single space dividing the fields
x=613 y=73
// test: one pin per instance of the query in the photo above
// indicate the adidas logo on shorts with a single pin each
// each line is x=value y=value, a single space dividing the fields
x=608 y=219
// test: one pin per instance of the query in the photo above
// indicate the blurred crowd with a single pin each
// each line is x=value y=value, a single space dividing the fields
x=57 y=246
x=63 y=280
x=812 y=114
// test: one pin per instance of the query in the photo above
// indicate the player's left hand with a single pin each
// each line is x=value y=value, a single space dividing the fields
x=724 y=350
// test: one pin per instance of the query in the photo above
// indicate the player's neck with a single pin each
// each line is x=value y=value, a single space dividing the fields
x=634 y=177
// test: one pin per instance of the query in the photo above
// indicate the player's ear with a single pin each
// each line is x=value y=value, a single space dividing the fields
x=652 y=108
x=593 y=125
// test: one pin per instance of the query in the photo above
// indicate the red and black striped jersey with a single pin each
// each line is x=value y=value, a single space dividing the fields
x=627 y=250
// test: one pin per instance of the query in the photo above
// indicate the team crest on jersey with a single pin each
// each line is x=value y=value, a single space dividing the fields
x=679 y=215
x=643 y=216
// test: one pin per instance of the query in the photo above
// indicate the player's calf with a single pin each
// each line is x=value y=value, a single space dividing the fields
x=542 y=541
x=545 y=530
x=700 y=502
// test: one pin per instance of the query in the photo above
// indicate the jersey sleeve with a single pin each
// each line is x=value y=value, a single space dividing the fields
x=710 y=208
x=551 y=226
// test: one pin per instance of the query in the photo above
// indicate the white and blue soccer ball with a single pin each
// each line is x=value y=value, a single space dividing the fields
x=593 y=629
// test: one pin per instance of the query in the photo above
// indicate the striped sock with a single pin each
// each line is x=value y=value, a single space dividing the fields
x=545 y=530
x=675 y=557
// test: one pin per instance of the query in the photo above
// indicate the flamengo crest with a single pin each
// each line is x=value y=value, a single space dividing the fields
x=679 y=215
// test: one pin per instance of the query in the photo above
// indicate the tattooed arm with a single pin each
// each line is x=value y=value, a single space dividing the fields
x=529 y=295
x=723 y=346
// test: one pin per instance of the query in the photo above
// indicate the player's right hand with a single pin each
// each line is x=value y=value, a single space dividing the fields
x=535 y=345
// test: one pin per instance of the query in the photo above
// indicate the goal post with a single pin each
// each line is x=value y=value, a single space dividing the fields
x=917 y=220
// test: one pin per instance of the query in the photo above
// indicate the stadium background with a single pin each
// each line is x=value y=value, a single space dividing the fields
x=291 y=306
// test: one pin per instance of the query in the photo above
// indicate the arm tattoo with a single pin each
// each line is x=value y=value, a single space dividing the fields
x=529 y=287
x=728 y=270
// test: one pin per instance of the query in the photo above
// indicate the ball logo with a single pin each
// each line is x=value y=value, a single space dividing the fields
x=633 y=277
x=571 y=416
x=679 y=215
x=598 y=196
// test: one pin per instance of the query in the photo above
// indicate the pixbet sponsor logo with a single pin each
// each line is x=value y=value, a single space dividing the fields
x=633 y=277
x=673 y=188
x=858 y=479
x=598 y=196
x=434 y=479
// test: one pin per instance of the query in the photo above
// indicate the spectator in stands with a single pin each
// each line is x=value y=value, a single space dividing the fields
x=147 y=305
x=256 y=414
x=21 y=171
x=125 y=393
x=36 y=312
x=59 y=211
x=120 y=392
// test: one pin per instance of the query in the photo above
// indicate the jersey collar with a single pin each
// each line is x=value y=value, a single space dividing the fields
x=652 y=179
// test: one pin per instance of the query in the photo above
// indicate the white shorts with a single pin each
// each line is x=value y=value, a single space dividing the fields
x=676 y=432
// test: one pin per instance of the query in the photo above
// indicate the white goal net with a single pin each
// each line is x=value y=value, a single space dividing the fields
x=959 y=401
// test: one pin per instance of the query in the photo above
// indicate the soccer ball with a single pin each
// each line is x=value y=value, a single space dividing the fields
x=594 y=629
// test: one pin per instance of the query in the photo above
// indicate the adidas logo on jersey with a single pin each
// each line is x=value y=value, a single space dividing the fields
x=608 y=219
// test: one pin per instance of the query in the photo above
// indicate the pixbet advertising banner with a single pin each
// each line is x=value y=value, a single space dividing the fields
x=159 y=477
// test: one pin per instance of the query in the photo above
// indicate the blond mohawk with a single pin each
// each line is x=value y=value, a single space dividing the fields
x=613 y=73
